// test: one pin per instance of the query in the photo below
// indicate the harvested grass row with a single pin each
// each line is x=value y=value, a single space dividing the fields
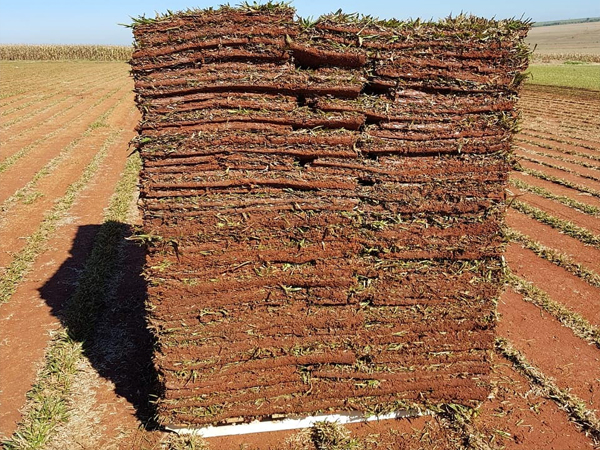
x=555 y=257
x=36 y=242
x=561 y=181
x=576 y=408
x=561 y=149
x=48 y=401
x=11 y=160
x=561 y=158
x=563 y=168
x=65 y=52
x=567 y=201
x=582 y=234
x=531 y=293
x=531 y=132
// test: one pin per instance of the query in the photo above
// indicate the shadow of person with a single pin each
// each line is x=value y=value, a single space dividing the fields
x=99 y=295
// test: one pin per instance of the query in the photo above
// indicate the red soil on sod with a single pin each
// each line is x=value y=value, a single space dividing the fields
x=351 y=271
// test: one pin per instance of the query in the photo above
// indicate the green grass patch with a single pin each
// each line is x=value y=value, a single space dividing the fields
x=586 y=76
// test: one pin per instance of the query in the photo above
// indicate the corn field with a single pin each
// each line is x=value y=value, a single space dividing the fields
x=65 y=52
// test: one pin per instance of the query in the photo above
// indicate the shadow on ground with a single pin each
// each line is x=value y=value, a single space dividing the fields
x=114 y=334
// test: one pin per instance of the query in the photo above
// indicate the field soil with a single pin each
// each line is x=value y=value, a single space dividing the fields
x=568 y=38
x=49 y=162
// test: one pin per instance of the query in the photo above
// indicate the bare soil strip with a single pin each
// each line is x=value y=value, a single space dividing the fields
x=563 y=165
x=35 y=94
x=555 y=257
x=28 y=123
x=575 y=135
x=36 y=85
x=26 y=144
x=559 y=141
x=563 y=148
x=570 y=176
x=521 y=418
x=18 y=220
x=24 y=169
x=49 y=98
x=560 y=156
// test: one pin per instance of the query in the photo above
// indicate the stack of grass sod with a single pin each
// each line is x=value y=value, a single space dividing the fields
x=323 y=204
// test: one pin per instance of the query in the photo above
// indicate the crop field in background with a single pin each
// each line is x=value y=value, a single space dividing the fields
x=18 y=52
x=76 y=369
x=573 y=38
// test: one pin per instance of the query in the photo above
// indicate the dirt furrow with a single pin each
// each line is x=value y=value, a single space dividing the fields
x=548 y=236
x=576 y=168
x=36 y=87
x=24 y=143
x=27 y=123
x=580 y=138
x=578 y=118
x=75 y=112
x=41 y=95
x=586 y=155
x=561 y=156
x=24 y=169
x=558 y=141
x=569 y=176
x=518 y=418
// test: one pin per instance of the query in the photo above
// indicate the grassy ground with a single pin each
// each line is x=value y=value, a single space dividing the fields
x=585 y=76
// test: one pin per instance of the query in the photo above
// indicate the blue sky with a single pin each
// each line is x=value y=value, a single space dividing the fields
x=95 y=22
